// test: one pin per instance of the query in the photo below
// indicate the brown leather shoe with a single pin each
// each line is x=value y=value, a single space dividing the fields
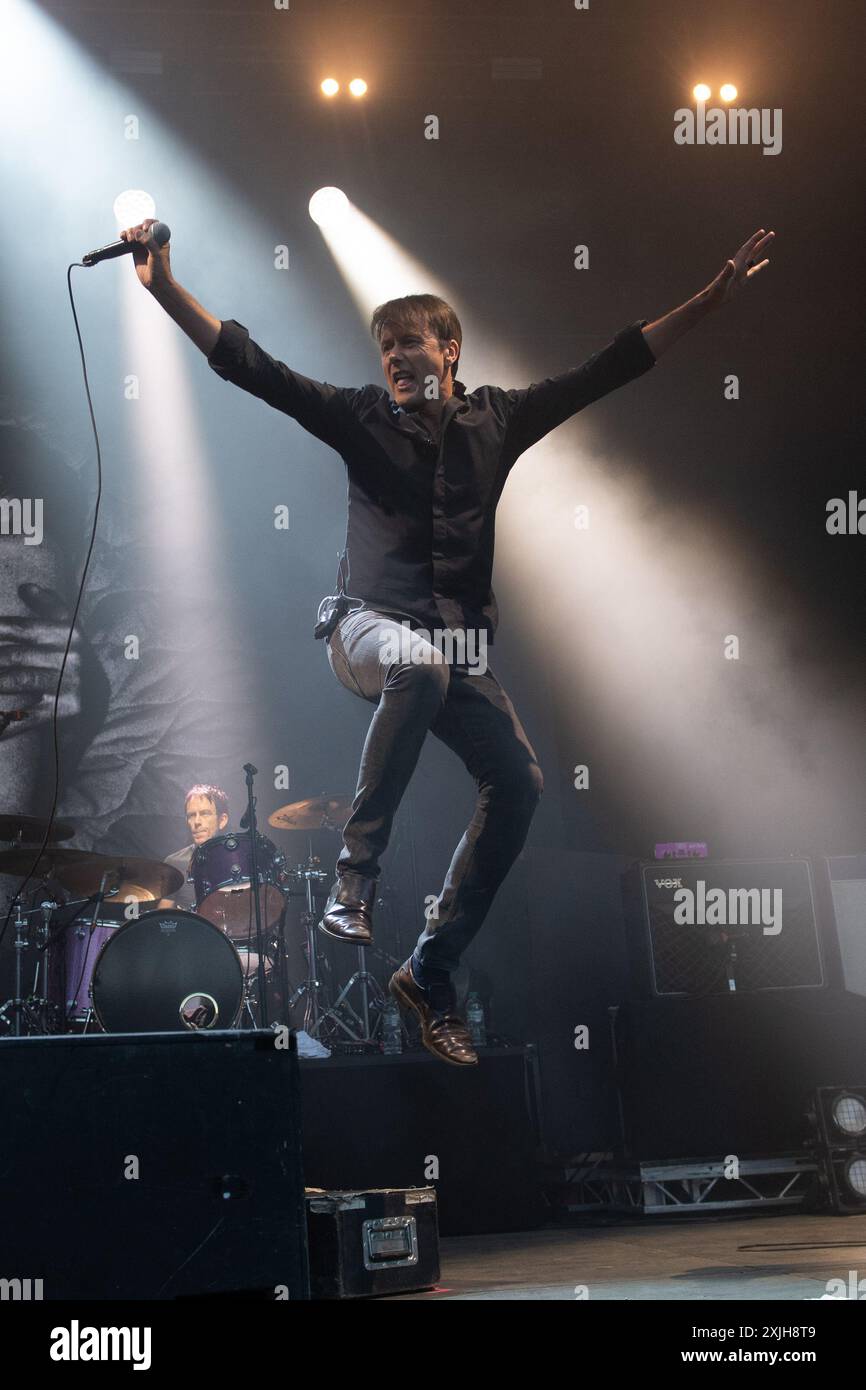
x=443 y=1032
x=348 y=913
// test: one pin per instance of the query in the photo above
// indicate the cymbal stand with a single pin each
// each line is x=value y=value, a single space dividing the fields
x=24 y=1010
x=312 y=986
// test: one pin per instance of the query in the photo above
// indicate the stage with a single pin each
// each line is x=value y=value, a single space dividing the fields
x=744 y=1259
x=382 y=917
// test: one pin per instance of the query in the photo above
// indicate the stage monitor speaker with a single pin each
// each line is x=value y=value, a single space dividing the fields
x=152 y=1166
x=696 y=926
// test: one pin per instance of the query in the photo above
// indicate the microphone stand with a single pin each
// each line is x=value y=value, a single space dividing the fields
x=250 y=772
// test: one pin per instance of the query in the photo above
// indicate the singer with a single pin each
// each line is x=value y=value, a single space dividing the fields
x=427 y=461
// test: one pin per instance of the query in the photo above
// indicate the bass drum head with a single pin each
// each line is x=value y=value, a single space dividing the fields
x=165 y=972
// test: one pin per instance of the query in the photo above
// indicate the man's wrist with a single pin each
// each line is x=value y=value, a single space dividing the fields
x=164 y=290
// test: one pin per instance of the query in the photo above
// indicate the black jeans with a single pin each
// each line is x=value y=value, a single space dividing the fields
x=472 y=714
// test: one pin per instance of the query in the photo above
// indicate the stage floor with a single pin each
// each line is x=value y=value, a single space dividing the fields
x=744 y=1258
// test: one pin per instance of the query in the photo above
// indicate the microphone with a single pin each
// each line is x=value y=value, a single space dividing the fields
x=159 y=231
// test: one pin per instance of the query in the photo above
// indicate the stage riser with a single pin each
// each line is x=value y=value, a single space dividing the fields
x=413 y=1121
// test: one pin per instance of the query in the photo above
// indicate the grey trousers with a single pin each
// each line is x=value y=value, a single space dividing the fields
x=471 y=714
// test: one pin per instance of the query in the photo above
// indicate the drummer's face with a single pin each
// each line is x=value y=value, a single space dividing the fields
x=203 y=820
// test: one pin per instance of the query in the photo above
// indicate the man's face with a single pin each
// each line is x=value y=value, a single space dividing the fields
x=411 y=355
x=203 y=819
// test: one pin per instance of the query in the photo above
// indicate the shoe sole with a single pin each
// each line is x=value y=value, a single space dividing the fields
x=405 y=1002
x=350 y=940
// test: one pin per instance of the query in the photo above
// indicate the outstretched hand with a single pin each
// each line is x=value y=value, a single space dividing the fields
x=736 y=273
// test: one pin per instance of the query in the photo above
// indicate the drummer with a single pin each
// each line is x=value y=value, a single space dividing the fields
x=207 y=814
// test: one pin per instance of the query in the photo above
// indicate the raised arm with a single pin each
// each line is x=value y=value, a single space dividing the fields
x=734 y=274
x=153 y=268
x=324 y=410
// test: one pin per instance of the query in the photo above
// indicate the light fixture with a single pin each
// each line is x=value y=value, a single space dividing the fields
x=849 y=1115
x=357 y=86
x=837 y=1118
x=330 y=86
x=728 y=92
x=132 y=207
x=701 y=92
x=328 y=206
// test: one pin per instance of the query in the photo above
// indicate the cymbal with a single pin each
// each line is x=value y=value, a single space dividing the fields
x=29 y=830
x=142 y=879
x=317 y=813
x=80 y=872
x=20 y=859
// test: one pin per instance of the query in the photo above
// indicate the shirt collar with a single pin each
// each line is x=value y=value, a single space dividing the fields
x=459 y=390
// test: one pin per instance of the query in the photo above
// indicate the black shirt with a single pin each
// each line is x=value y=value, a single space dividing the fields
x=420 y=530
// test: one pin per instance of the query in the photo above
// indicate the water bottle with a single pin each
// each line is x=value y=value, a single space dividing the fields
x=475 y=1020
x=392 y=1032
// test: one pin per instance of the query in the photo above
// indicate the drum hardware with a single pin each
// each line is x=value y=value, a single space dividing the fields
x=327 y=812
x=368 y=985
x=31 y=1013
x=312 y=878
x=23 y=1011
x=340 y=1014
x=324 y=812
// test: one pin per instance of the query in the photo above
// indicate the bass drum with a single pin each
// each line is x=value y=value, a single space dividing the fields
x=164 y=972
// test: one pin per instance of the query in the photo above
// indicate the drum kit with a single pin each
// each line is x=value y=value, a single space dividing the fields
x=99 y=953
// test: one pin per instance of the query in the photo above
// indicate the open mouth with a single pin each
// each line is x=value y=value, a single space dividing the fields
x=403 y=379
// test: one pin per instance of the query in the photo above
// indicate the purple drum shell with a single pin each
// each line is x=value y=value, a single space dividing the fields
x=71 y=961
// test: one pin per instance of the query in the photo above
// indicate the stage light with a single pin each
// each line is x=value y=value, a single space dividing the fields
x=330 y=87
x=133 y=207
x=849 y=1115
x=357 y=86
x=728 y=92
x=701 y=92
x=837 y=1120
x=328 y=206
x=855 y=1176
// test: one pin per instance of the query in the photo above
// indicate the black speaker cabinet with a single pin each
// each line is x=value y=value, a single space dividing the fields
x=152 y=1166
x=733 y=1074
x=697 y=925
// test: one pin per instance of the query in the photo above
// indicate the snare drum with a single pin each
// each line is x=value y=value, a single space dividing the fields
x=166 y=971
x=220 y=870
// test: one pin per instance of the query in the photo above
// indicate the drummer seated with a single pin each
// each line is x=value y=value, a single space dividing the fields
x=207 y=814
